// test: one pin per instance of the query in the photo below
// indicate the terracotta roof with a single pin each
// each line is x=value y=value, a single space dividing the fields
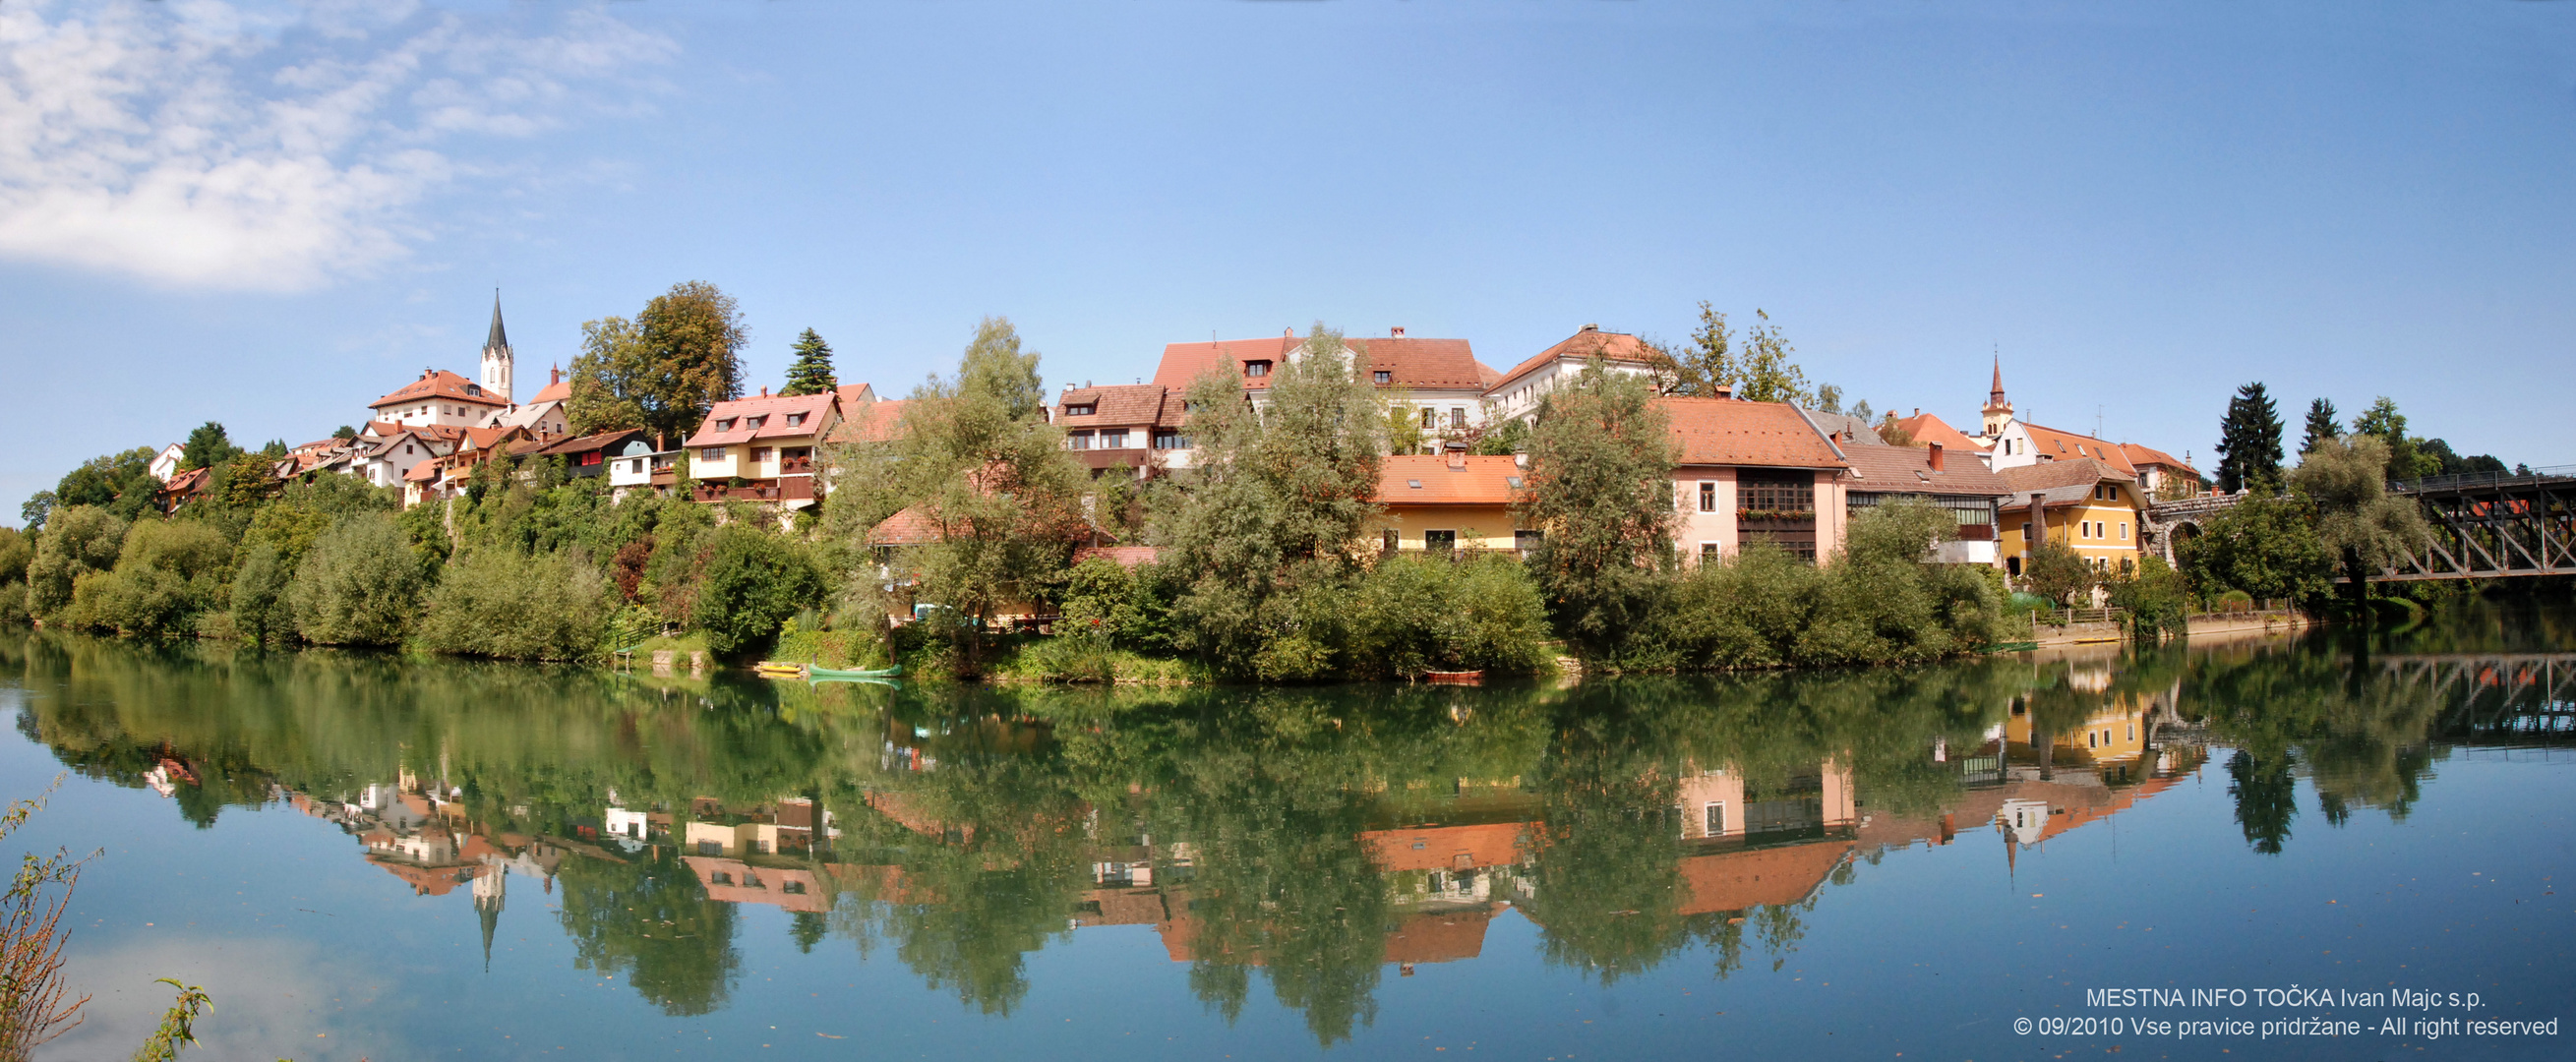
x=2058 y=482
x=876 y=421
x=424 y=472
x=1760 y=877
x=909 y=527
x=380 y=427
x=1481 y=481
x=776 y=408
x=1446 y=847
x=186 y=483
x=1927 y=428
x=2051 y=444
x=1126 y=556
x=2141 y=457
x=440 y=385
x=1440 y=936
x=1116 y=406
x=1724 y=431
x=853 y=396
x=1581 y=346
x=1908 y=469
x=1184 y=362
x=557 y=391
x=1422 y=362
x=582 y=444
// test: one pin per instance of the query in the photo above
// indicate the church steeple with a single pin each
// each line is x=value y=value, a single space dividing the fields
x=1999 y=410
x=496 y=355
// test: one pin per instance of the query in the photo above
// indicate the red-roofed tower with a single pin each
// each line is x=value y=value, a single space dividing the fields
x=1998 y=409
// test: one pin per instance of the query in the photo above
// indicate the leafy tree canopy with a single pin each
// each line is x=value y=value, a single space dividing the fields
x=663 y=369
x=811 y=373
x=1600 y=489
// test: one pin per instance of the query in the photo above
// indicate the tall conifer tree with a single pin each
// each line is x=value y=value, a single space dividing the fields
x=2321 y=424
x=812 y=372
x=2249 y=441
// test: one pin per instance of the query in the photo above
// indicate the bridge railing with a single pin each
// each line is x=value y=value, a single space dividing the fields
x=2482 y=479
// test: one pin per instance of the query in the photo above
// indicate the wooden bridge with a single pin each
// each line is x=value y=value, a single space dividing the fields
x=2489 y=525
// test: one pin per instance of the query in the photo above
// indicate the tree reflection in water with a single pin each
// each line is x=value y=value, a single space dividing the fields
x=1306 y=839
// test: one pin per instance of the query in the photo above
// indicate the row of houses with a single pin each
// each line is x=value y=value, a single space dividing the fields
x=1745 y=471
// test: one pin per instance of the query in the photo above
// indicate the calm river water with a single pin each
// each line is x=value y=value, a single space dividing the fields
x=367 y=856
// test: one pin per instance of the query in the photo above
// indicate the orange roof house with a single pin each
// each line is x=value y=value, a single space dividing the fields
x=1517 y=392
x=1754 y=471
x=1925 y=428
x=1451 y=501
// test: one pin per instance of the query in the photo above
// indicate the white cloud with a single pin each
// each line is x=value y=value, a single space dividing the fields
x=201 y=143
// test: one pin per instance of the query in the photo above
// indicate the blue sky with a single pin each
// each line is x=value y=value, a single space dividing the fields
x=270 y=213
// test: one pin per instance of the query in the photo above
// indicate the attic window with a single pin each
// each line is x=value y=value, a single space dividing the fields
x=1383 y=376
x=473 y=389
x=725 y=424
x=1413 y=483
x=795 y=419
x=1514 y=481
x=1256 y=368
x=1084 y=410
x=756 y=421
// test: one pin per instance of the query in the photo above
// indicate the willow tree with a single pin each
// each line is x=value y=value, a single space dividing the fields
x=985 y=471
x=1599 y=488
x=1270 y=520
x=2365 y=527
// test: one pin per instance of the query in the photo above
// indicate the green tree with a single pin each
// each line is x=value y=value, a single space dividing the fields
x=2322 y=424
x=662 y=370
x=1769 y=373
x=2057 y=572
x=360 y=584
x=1599 y=487
x=811 y=373
x=2265 y=546
x=1705 y=366
x=209 y=445
x=167 y=574
x=754 y=581
x=1829 y=398
x=1269 y=523
x=120 y=483
x=2383 y=422
x=515 y=606
x=79 y=540
x=983 y=466
x=2357 y=520
x=2249 y=442
x=652 y=921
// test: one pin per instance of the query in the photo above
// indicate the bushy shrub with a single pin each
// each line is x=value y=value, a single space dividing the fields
x=16 y=549
x=2157 y=598
x=166 y=574
x=78 y=539
x=1409 y=615
x=513 y=606
x=753 y=582
x=2266 y=547
x=1132 y=607
x=360 y=584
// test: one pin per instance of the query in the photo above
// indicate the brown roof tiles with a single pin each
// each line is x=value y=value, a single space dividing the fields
x=1725 y=431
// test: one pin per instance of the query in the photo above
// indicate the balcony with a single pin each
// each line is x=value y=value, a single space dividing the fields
x=756 y=490
x=801 y=464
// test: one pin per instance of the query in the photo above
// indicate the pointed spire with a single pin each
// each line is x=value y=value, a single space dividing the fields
x=491 y=915
x=500 y=340
x=1997 y=396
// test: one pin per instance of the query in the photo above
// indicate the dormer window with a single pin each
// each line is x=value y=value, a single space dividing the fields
x=725 y=424
x=473 y=389
x=1084 y=410
x=796 y=420
x=756 y=422
x=1256 y=368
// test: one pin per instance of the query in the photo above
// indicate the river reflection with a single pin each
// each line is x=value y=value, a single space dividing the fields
x=1306 y=844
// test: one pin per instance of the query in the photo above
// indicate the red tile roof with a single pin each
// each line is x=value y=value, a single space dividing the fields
x=740 y=412
x=1481 y=481
x=2141 y=457
x=440 y=385
x=1184 y=362
x=1724 y=431
x=853 y=396
x=1126 y=556
x=1927 y=428
x=1448 y=363
x=878 y=421
x=2052 y=444
x=1618 y=347
x=910 y=527
x=1120 y=405
x=558 y=391
x=1761 y=877
x=1446 y=847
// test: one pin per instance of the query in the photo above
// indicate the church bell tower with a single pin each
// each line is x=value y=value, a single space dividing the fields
x=496 y=356
x=1998 y=410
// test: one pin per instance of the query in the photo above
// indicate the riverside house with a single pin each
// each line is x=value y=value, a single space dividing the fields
x=2085 y=504
x=1754 y=471
x=760 y=449
x=1450 y=502
x=1956 y=483
x=1125 y=426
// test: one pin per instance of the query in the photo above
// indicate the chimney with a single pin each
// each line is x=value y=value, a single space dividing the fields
x=1918 y=411
x=554 y=375
x=1520 y=460
x=764 y=390
x=1396 y=332
x=1725 y=391
x=1457 y=460
x=1936 y=456
x=1287 y=333
x=1592 y=327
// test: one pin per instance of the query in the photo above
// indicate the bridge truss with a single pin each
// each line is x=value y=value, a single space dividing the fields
x=2490 y=525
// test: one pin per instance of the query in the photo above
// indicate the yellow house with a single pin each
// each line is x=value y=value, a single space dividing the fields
x=2083 y=504
x=1448 y=502
x=766 y=443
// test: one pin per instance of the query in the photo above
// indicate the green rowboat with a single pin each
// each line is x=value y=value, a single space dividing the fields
x=818 y=673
